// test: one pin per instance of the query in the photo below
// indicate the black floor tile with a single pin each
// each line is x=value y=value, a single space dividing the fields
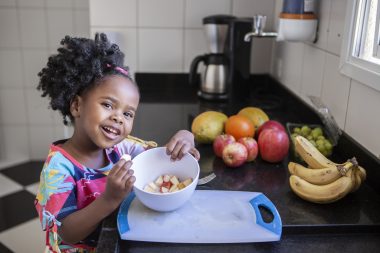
x=4 y=249
x=26 y=173
x=16 y=208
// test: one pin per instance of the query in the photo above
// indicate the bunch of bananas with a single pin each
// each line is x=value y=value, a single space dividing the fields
x=324 y=181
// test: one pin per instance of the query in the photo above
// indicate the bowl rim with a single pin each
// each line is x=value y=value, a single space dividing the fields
x=170 y=193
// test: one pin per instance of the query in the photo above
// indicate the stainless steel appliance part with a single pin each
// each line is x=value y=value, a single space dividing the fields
x=228 y=60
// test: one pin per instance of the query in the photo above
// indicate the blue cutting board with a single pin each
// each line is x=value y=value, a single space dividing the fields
x=210 y=216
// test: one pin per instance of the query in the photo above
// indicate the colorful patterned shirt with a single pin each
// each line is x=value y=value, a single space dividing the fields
x=67 y=186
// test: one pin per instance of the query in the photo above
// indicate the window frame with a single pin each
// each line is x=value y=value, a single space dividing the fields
x=363 y=71
x=376 y=44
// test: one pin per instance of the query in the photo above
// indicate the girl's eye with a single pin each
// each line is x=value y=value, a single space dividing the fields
x=128 y=115
x=107 y=105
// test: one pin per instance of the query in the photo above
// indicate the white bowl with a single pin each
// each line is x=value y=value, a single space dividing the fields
x=151 y=164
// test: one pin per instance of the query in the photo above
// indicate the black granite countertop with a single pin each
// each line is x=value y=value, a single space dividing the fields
x=351 y=224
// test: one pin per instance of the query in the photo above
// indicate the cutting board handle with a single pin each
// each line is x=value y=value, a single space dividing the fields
x=275 y=225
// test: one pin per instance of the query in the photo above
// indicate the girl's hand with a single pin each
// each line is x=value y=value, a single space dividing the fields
x=120 y=181
x=180 y=144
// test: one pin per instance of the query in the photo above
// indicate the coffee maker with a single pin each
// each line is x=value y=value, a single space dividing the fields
x=227 y=65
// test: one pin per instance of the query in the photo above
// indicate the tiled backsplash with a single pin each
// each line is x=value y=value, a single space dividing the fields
x=165 y=36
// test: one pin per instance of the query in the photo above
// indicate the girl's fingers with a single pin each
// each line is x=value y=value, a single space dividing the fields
x=124 y=169
x=130 y=181
x=127 y=175
x=194 y=152
x=174 y=151
x=116 y=168
x=180 y=150
x=127 y=179
x=170 y=147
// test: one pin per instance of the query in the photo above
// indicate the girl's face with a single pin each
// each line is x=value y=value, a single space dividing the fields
x=105 y=114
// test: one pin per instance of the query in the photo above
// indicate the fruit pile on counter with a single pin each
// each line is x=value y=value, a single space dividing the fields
x=242 y=137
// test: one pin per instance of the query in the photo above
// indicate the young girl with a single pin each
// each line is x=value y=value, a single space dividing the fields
x=83 y=179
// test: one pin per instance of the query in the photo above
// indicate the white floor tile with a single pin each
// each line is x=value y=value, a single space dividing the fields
x=32 y=188
x=8 y=186
x=24 y=238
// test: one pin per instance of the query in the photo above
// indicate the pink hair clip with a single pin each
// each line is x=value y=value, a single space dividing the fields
x=119 y=69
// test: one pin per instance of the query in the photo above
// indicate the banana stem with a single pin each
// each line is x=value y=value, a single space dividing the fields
x=350 y=164
x=354 y=161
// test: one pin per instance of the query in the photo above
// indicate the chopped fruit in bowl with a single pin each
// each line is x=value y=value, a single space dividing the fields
x=167 y=183
x=157 y=176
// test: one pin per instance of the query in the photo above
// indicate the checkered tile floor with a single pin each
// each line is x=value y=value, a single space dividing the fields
x=20 y=229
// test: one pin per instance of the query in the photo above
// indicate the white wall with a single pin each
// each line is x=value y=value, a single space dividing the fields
x=313 y=69
x=30 y=31
x=166 y=35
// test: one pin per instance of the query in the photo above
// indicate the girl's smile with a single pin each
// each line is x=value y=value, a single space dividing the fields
x=111 y=132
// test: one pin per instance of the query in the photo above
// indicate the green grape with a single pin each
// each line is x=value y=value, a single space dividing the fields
x=325 y=152
x=314 y=134
x=318 y=131
x=321 y=137
x=321 y=148
x=320 y=142
x=309 y=137
x=293 y=136
x=305 y=130
x=328 y=145
x=297 y=130
x=313 y=142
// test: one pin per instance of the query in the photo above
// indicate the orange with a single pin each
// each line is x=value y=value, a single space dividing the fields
x=239 y=126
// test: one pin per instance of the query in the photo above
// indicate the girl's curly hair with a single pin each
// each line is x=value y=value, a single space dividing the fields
x=79 y=65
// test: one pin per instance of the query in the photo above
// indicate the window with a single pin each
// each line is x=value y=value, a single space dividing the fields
x=376 y=44
x=360 y=57
x=368 y=31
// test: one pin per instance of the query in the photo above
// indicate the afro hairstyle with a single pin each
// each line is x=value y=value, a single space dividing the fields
x=79 y=65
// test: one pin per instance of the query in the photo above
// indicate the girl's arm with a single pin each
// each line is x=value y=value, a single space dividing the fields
x=78 y=225
x=180 y=144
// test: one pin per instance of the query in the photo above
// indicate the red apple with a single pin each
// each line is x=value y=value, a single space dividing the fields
x=273 y=145
x=252 y=147
x=220 y=142
x=270 y=124
x=234 y=154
